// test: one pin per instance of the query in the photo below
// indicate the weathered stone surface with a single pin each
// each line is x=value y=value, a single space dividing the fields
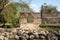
x=29 y=26
x=18 y=34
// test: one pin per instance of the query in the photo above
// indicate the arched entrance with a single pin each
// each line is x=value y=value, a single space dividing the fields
x=30 y=18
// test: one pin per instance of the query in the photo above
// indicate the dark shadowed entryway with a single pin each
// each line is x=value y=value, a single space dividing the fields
x=30 y=18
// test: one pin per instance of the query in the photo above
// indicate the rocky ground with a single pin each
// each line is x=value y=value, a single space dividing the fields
x=19 y=34
x=28 y=32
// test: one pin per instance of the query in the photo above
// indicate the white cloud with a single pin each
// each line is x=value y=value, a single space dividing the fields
x=34 y=7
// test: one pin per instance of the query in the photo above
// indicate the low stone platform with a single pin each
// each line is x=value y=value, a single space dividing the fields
x=29 y=26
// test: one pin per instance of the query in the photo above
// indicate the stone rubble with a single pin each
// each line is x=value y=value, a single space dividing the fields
x=18 y=34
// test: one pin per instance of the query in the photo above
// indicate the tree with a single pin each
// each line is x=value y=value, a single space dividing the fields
x=49 y=8
x=10 y=12
x=7 y=11
x=24 y=7
x=3 y=4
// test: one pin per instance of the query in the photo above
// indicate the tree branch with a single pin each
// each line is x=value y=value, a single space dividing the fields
x=7 y=4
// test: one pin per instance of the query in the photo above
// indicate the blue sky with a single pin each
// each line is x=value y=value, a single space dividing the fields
x=36 y=4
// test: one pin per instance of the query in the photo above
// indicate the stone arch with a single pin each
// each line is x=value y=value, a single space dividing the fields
x=30 y=18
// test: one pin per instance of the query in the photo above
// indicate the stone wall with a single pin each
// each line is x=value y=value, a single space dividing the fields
x=37 y=21
x=27 y=17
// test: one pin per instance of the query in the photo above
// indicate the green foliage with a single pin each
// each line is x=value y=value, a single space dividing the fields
x=3 y=3
x=24 y=7
x=50 y=8
x=10 y=14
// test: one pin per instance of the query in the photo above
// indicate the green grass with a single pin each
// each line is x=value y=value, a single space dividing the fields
x=47 y=28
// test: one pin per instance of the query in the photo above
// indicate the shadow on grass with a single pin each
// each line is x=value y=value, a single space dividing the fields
x=50 y=27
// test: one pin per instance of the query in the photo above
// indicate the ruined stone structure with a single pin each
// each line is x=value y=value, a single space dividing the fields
x=46 y=16
x=50 y=16
x=34 y=18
